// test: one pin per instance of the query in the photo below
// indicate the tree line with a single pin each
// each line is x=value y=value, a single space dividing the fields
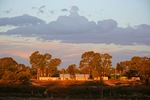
x=136 y=66
x=92 y=63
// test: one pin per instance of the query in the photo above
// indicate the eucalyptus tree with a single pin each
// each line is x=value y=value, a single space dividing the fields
x=72 y=69
x=142 y=66
x=95 y=62
x=52 y=66
x=106 y=62
x=86 y=62
x=8 y=66
x=37 y=62
x=11 y=71
x=43 y=63
x=137 y=66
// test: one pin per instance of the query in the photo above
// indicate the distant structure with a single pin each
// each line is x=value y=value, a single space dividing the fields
x=79 y=77
x=49 y=78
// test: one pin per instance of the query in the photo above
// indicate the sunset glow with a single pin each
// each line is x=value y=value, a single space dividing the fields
x=67 y=28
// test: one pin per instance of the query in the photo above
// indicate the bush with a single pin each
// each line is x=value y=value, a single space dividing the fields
x=24 y=77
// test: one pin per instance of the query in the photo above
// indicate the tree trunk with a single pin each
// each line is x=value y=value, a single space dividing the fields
x=38 y=73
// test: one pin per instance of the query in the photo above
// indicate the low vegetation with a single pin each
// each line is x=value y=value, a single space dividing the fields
x=77 y=90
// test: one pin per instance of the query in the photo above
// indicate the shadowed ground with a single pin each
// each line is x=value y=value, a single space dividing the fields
x=41 y=90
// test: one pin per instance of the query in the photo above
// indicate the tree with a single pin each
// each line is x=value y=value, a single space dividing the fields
x=39 y=61
x=137 y=66
x=9 y=76
x=86 y=62
x=95 y=62
x=142 y=66
x=11 y=71
x=33 y=72
x=63 y=71
x=43 y=63
x=144 y=69
x=52 y=66
x=71 y=69
x=7 y=64
x=24 y=76
x=111 y=72
x=84 y=70
x=106 y=62
x=119 y=68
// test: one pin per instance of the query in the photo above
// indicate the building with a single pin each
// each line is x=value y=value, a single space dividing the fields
x=80 y=77
x=49 y=78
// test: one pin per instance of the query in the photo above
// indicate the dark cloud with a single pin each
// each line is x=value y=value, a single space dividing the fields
x=78 y=29
x=74 y=9
x=20 y=20
x=41 y=9
x=64 y=9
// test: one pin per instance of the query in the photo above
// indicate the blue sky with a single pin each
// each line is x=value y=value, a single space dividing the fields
x=125 y=12
x=68 y=28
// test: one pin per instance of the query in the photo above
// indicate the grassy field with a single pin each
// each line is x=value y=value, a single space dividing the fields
x=41 y=90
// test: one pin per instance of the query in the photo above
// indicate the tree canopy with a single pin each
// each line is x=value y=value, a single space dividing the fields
x=44 y=65
x=137 y=66
x=11 y=71
x=95 y=62
x=92 y=63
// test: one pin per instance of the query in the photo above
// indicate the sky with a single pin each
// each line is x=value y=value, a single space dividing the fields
x=68 y=28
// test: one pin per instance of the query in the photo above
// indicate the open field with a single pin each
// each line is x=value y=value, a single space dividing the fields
x=41 y=90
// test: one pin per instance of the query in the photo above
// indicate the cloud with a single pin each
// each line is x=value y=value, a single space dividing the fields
x=78 y=29
x=64 y=9
x=68 y=53
x=20 y=20
x=52 y=11
x=7 y=11
x=34 y=8
x=41 y=9
x=74 y=9
x=107 y=25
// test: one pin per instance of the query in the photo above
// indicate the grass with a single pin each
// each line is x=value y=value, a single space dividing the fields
x=75 y=90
